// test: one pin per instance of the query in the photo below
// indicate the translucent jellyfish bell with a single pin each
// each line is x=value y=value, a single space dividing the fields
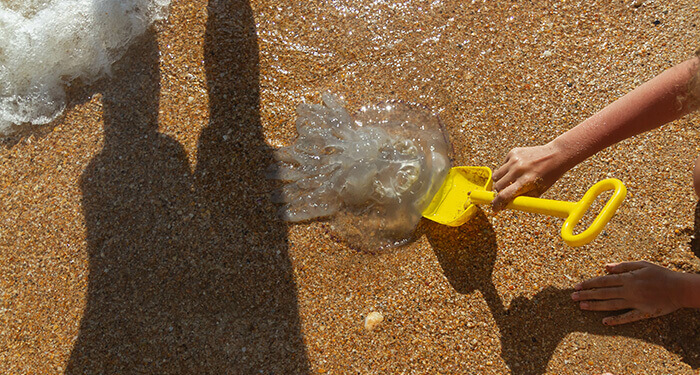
x=371 y=173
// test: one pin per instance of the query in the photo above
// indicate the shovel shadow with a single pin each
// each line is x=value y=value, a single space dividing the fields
x=532 y=328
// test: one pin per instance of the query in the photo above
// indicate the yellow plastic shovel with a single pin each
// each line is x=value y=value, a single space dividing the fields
x=464 y=187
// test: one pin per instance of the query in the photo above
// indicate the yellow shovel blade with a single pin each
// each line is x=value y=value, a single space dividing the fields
x=451 y=205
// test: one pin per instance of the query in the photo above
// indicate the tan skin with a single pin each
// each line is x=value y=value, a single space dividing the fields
x=644 y=289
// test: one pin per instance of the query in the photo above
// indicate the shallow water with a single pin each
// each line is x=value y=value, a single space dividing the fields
x=47 y=44
x=371 y=173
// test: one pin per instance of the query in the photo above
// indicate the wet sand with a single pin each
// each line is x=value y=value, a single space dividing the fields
x=137 y=233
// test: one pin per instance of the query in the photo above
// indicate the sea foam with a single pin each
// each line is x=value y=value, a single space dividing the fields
x=47 y=44
x=372 y=173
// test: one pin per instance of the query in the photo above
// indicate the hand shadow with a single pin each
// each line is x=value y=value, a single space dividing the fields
x=188 y=273
x=532 y=328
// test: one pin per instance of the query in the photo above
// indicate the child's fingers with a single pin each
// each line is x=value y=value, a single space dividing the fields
x=501 y=171
x=503 y=197
x=507 y=179
x=597 y=294
x=510 y=187
x=600 y=282
x=607 y=305
x=628 y=317
x=625 y=266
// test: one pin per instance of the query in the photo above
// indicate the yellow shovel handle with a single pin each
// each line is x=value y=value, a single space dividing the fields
x=619 y=193
x=572 y=212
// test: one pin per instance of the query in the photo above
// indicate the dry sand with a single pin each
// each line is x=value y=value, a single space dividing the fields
x=137 y=235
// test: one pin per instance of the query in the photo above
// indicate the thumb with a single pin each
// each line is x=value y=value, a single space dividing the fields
x=505 y=196
x=627 y=317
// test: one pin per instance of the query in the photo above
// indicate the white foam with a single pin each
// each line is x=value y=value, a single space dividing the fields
x=46 y=44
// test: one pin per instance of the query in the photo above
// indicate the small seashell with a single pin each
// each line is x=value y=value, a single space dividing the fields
x=372 y=320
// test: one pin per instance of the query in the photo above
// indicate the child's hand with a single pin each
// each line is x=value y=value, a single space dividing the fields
x=645 y=288
x=527 y=171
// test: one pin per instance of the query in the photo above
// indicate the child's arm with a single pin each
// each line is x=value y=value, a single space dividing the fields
x=533 y=170
x=646 y=289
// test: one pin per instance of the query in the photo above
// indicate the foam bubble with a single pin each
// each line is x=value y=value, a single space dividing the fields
x=46 y=44
x=373 y=172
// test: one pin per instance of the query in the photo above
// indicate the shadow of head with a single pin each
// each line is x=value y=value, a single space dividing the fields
x=130 y=100
x=466 y=253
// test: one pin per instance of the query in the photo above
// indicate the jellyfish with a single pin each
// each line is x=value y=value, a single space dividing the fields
x=371 y=173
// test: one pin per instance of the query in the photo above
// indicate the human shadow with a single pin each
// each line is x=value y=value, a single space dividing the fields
x=142 y=304
x=532 y=328
x=188 y=272
x=251 y=241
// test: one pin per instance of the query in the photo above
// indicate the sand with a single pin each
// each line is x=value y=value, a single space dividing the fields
x=137 y=233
